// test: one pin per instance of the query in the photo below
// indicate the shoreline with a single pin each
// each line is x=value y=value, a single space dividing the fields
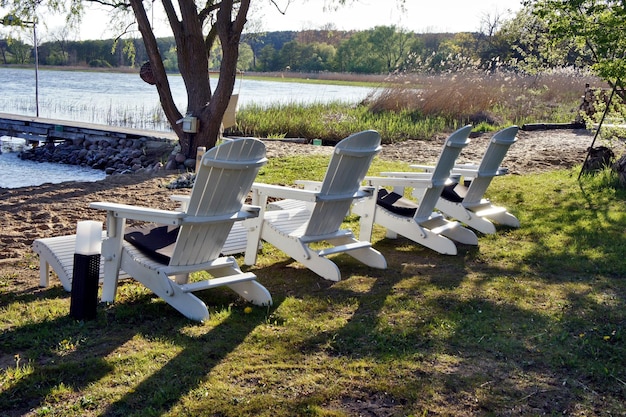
x=332 y=78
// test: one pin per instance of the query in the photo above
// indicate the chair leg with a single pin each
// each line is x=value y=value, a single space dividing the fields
x=111 y=251
x=368 y=256
x=44 y=273
x=181 y=279
x=407 y=227
x=252 y=291
x=323 y=267
x=481 y=224
x=186 y=303
x=431 y=240
x=460 y=213
x=254 y=227
x=461 y=234
x=301 y=253
x=505 y=219
x=366 y=209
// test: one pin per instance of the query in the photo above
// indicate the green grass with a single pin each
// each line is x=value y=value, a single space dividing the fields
x=531 y=322
x=333 y=122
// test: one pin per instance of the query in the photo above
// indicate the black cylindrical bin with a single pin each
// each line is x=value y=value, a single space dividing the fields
x=84 y=298
x=86 y=272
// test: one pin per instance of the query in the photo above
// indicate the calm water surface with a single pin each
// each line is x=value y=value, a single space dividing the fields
x=123 y=100
x=15 y=173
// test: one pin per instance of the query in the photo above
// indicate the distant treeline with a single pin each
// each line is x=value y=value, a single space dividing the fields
x=381 y=50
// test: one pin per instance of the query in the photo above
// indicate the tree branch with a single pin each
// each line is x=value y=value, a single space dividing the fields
x=114 y=4
x=172 y=17
x=158 y=70
x=278 y=7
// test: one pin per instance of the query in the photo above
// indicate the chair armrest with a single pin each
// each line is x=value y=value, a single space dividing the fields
x=469 y=170
x=280 y=191
x=247 y=212
x=182 y=199
x=427 y=168
x=416 y=182
x=421 y=176
x=473 y=171
x=140 y=213
x=309 y=184
x=431 y=168
x=305 y=194
x=365 y=191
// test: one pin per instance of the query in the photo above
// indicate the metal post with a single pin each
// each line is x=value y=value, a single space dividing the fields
x=36 y=68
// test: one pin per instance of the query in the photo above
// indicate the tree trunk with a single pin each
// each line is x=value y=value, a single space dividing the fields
x=229 y=33
x=193 y=58
x=158 y=70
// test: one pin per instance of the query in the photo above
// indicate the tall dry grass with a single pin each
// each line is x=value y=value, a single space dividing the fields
x=492 y=98
x=413 y=106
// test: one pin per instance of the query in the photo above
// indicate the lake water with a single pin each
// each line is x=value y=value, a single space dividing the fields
x=27 y=173
x=125 y=100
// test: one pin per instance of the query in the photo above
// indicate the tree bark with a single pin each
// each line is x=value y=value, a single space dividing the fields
x=193 y=62
x=158 y=70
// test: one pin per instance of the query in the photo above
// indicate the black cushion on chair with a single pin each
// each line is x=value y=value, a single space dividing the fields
x=395 y=203
x=454 y=192
x=156 y=242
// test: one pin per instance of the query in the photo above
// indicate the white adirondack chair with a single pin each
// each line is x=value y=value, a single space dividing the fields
x=467 y=203
x=424 y=226
x=319 y=212
x=216 y=202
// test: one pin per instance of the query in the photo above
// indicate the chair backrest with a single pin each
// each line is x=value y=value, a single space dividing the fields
x=489 y=165
x=222 y=183
x=347 y=168
x=428 y=197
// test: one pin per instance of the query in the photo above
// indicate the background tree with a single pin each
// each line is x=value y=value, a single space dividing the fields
x=392 y=44
x=594 y=26
x=20 y=51
x=384 y=49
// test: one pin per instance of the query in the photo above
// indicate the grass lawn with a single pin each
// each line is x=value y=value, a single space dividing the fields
x=531 y=322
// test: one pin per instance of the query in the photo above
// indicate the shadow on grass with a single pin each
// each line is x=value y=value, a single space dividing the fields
x=457 y=345
x=67 y=353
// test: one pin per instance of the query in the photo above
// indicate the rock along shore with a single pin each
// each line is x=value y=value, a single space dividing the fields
x=112 y=155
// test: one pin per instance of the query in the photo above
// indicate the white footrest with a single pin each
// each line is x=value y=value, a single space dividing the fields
x=491 y=211
x=344 y=248
x=217 y=282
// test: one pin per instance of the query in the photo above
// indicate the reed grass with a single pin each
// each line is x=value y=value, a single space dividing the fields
x=418 y=107
x=331 y=122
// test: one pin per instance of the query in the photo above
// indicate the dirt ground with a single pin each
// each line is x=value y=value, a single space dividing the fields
x=53 y=209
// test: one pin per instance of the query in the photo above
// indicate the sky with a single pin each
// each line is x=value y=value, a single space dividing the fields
x=421 y=16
